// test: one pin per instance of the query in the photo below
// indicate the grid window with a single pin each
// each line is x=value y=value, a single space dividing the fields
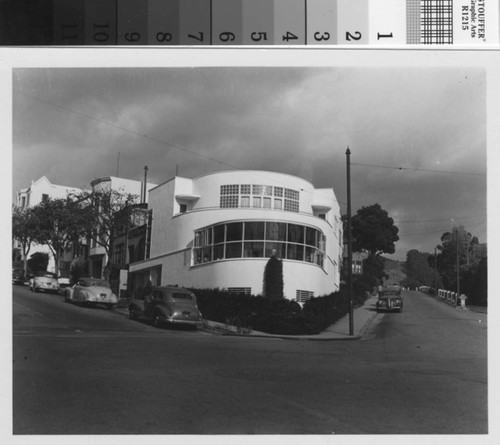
x=291 y=206
x=232 y=189
x=229 y=201
x=278 y=191
x=246 y=189
x=267 y=190
x=292 y=194
x=258 y=239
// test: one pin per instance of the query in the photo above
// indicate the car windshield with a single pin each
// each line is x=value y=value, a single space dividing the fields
x=46 y=274
x=94 y=282
x=182 y=296
x=388 y=293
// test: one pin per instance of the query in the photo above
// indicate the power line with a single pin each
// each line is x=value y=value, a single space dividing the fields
x=418 y=169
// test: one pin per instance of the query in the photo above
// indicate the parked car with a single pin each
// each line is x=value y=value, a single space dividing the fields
x=18 y=276
x=91 y=291
x=44 y=281
x=63 y=284
x=167 y=305
x=390 y=299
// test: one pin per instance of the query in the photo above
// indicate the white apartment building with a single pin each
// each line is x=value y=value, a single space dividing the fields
x=38 y=191
x=97 y=254
x=220 y=229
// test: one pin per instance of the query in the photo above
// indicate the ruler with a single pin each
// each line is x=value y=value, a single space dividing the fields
x=374 y=23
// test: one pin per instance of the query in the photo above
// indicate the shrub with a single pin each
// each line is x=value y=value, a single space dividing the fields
x=282 y=316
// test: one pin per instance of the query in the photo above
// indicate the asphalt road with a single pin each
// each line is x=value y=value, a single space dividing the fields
x=83 y=370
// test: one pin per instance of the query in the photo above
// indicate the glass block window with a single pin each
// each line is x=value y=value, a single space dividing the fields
x=291 y=206
x=246 y=189
x=229 y=201
x=257 y=189
x=232 y=189
x=292 y=194
x=278 y=191
x=267 y=190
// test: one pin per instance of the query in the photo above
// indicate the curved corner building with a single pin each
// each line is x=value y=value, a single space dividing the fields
x=219 y=230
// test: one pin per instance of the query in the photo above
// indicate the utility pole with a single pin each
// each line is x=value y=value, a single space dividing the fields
x=349 y=244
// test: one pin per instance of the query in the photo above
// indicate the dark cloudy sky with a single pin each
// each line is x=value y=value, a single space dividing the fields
x=417 y=134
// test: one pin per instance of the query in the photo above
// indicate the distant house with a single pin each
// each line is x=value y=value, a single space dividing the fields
x=220 y=229
x=97 y=253
x=39 y=191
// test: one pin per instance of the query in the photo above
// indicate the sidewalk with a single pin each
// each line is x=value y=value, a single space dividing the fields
x=362 y=318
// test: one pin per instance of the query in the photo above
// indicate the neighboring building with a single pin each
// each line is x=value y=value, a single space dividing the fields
x=220 y=229
x=39 y=191
x=97 y=253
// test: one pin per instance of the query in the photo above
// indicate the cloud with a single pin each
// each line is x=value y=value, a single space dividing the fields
x=73 y=124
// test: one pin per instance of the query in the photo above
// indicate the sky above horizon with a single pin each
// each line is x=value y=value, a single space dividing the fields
x=417 y=135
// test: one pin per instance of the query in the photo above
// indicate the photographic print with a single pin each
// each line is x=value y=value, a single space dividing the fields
x=180 y=220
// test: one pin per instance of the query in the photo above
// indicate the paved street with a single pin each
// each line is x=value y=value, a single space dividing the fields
x=83 y=370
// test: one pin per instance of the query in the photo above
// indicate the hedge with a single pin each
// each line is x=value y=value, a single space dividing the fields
x=281 y=316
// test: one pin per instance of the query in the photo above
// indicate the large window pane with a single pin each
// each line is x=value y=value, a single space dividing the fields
x=311 y=238
x=295 y=252
x=233 y=250
x=234 y=231
x=253 y=249
x=254 y=230
x=218 y=252
x=219 y=233
x=295 y=233
x=278 y=249
x=275 y=231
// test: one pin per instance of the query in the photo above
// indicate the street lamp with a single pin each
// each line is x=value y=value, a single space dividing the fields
x=349 y=244
x=458 y=258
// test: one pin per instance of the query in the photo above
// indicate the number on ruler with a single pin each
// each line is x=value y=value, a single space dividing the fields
x=100 y=36
x=163 y=37
x=227 y=36
x=355 y=36
x=319 y=37
x=258 y=36
x=384 y=36
x=199 y=37
x=289 y=36
x=132 y=37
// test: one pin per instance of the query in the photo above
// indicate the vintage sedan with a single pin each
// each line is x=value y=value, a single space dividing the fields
x=167 y=305
x=18 y=276
x=44 y=282
x=390 y=299
x=90 y=292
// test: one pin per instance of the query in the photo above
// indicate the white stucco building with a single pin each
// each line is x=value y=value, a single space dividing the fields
x=97 y=254
x=39 y=191
x=220 y=229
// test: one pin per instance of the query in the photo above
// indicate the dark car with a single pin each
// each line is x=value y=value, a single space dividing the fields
x=18 y=276
x=390 y=299
x=167 y=305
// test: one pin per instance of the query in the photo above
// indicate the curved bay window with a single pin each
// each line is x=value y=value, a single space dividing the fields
x=259 y=239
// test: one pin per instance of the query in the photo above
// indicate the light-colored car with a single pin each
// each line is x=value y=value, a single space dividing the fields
x=91 y=291
x=390 y=299
x=44 y=282
x=167 y=305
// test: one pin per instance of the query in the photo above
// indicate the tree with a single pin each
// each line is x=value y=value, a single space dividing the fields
x=59 y=223
x=38 y=261
x=457 y=244
x=373 y=230
x=418 y=270
x=106 y=217
x=24 y=231
x=273 y=279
